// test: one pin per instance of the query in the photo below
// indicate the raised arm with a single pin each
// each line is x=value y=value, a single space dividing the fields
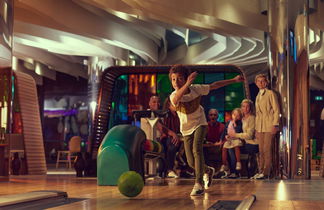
x=222 y=83
x=183 y=90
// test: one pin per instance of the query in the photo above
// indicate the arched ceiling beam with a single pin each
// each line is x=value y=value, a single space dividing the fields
x=233 y=44
x=49 y=59
x=247 y=45
x=75 y=19
x=220 y=16
x=63 y=42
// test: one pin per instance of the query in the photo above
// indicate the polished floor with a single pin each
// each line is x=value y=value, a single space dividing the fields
x=174 y=193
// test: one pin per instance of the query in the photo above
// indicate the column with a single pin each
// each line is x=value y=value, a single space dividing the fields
x=6 y=21
x=96 y=65
x=289 y=73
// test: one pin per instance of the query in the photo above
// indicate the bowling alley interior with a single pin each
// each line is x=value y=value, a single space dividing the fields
x=93 y=116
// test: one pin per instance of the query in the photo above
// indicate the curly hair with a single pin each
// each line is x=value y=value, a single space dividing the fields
x=179 y=69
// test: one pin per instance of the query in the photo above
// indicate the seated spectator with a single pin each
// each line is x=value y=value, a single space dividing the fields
x=234 y=125
x=248 y=135
x=151 y=128
x=212 y=148
x=161 y=133
x=172 y=122
x=215 y=128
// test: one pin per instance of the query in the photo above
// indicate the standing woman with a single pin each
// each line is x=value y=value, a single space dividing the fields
x=193 y=123
x=266 y=123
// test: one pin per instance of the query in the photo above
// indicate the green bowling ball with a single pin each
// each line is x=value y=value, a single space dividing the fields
x=130 y=184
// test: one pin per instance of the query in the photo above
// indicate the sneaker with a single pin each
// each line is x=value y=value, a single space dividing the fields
x=223 y=168
x=238 y=166
x=255 y=176
x=260 y=176
x=197 y=190
x=219 y=174
x=232 y=176
x=208 y=177
x=172 y=174
x=225 y=175
x=190 y=174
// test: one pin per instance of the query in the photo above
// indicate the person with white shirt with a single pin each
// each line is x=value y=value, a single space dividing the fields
x=193 y=124
x=157 y=131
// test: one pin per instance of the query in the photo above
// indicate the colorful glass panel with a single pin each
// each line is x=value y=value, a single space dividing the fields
x=133 y=92
x=234 y=93
x=141 y=88
x=119 y=106
x=164 y=87
x=215 y=99
x=199 y=79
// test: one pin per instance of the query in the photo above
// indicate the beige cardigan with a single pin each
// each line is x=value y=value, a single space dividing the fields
x=267 y=111
x=248 y=130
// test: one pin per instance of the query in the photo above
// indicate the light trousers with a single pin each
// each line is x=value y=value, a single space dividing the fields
x=266 y=140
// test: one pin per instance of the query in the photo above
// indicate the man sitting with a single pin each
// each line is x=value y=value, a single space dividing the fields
x=212 y=148
x=161 y=133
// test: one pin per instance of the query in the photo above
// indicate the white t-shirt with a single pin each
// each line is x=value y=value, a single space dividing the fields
x=189 y=110
x=148 y=125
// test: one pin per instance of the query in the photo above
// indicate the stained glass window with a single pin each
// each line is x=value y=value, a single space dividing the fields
x=164 y=87
x=132 y=92
x=119 y=105
x=234 y=93
x=141 y=88
x=215 y=99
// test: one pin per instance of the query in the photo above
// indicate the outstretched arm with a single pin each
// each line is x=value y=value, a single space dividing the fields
x=222 y=83
x=178 y=95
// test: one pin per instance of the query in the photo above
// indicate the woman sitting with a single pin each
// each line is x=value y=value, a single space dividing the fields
x=251 y=146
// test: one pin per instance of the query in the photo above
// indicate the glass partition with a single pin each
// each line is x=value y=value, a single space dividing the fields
x=132 y=92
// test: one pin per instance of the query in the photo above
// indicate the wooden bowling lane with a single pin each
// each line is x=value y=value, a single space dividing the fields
x=174 y=193
x=290 y=194
x=165 y=194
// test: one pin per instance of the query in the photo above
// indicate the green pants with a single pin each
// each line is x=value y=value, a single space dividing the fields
x=193 y=145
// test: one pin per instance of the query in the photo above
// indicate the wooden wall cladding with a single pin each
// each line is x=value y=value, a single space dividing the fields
x=32 y=128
